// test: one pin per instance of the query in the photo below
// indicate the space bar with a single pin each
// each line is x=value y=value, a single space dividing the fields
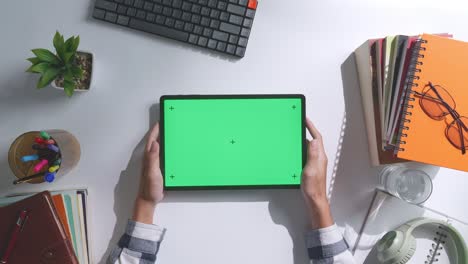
x=159 y=30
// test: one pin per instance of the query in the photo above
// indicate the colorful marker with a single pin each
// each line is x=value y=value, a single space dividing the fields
x=40 y=165
x=53 y=148
x=29 y=158
x=57 y=162
x=37 y=147
x=49 y=177
x=44 y=142
x=45 y=135
x=54 y=168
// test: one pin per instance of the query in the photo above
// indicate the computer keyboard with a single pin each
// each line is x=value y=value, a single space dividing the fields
x=221 y=25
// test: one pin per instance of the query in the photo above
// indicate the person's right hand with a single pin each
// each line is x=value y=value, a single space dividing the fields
x=314 y=180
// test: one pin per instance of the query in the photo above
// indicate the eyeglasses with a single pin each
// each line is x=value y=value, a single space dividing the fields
x=437 y=103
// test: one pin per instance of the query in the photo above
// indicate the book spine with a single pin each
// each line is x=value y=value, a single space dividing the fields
x=416 y=60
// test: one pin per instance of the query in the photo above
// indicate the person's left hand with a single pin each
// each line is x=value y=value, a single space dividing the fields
x=151 y=182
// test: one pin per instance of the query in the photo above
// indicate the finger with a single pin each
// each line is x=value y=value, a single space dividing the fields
x=152 y=136
x=313 y=130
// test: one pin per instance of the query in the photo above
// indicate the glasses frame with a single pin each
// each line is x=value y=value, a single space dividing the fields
x=450 y=110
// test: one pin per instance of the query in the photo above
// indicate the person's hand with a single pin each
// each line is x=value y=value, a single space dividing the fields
x=314 y=180
x=151 y=182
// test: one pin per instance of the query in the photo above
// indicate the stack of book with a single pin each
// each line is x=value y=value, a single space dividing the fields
x=71 y=208
x=413 y=91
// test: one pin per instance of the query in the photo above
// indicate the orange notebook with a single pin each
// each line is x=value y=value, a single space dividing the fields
x=60 y=207
x=435 y=130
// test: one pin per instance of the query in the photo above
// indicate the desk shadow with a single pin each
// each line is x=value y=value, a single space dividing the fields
x=126 y=188
x=355 y=180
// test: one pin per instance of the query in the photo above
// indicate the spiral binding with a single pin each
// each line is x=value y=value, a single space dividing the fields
x=437 y=246
x=417 y=54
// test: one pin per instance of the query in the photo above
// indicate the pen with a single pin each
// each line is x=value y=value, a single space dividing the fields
x=49 y=177
x=40 y=165
x=45 y=135
x=53 y=148
x=29 y=178
x=54 y=168
x=29 y=158
x=42 y=141
x=14 y=235
x=57 y=162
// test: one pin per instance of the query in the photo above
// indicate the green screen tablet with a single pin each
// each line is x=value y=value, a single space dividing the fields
x=232 y=141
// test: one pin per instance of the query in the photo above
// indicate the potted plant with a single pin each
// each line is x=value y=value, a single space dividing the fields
x=66 y=69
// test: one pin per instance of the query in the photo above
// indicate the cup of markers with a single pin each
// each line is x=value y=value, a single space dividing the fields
x=37 y=157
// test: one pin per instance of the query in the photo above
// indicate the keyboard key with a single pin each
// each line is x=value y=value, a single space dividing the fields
x=229 y=28
x=231 y=49
x=107 y=5
x=158 y=1
x=177 y=14
x=234 y=1
x=220 y=35
x=212 y=3
x=236 y=19
x=160 y=19
x=221 y=46
x=157 y=29
x=123 y=20
x=252 y=4
x=167 y=2
x=240 y=51
x=169 y=22
x=99 y=13
x=150 y=17
x=222 y=5
x=214 y=24
x=119 y=1
x=158 y=9
x=138 y=3
x=122 y=10
x=148 y=6
x=193 y=39
x=129 y=2
x=214 y=13
x=233 y=39
x=250 y=13
x=177 y=3
x=188 y=27
x=205 y=11
x=179 y=25
x=248 y=22
x=196 y=9
x=242 y=42
x=141 y=14
x=167 y=11
x=207 y=32
x=196 y=19
x=238 y=10
x=224 y=16
x=186 y=16
x=245 y=32
x=203 y=2
x=111 y=17
x=131 y=12
x=198 y=30
x=212 y=44
x=186 y=6
x=205 y=21
x=202 y=41
x=243 y=2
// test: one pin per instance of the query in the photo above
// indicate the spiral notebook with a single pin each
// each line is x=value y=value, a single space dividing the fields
x=429 y=242
x=434 y=126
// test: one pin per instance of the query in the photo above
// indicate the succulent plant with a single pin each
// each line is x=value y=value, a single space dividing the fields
x=61 y=64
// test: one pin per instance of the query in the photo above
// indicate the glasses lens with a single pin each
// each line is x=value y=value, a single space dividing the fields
x=453 y=133
x=432 y=102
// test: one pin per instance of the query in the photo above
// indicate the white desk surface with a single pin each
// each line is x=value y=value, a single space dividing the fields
x=295 y=47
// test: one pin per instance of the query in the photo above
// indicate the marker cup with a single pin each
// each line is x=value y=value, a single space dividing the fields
x=70 y=152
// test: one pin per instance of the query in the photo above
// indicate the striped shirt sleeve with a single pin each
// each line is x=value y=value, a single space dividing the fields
x=327 y=246
x=139 y=244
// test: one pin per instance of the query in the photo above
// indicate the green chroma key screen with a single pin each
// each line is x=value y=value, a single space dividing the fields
x=238 y=141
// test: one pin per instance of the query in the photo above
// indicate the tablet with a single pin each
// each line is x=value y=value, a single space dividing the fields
x=232 y=141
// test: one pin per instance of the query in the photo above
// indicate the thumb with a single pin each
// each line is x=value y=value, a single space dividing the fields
x=154 y=148
x=313 y=152
x=153 y=155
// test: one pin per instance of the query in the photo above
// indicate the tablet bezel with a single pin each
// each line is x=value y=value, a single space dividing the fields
x=230 y=96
